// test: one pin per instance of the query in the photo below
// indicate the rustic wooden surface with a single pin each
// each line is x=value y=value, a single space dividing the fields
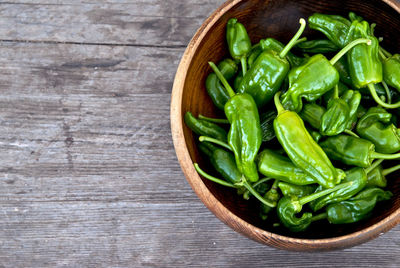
x=88 y=173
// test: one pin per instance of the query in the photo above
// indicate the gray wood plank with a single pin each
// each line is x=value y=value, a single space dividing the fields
x=152 y=23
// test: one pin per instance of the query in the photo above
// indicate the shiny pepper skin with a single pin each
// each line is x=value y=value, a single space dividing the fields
x=391 y=71
x=289 y=189
x=376 y=126
x=205 y=128
x=245 y=135
x=287 y=209
x=239 y=43
x=356 y=208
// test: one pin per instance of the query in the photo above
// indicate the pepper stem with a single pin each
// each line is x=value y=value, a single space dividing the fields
x=389 y=97
x=212 y=140
x=214 y=120
x=317 y=195
x=255 y=185
x=318 y=217
x=374 y=165
x=351 y=133
x=390 y=170
x=383 y=56
x=243 y=61
x=375 y=96
x=212 y=178
x=278 y=104
x=348 y=47
x=294 y=39
x=377 y=155
x=254 y=192
x=387 y=53
x=221 y=78
x=300 y=41
x=336 y=92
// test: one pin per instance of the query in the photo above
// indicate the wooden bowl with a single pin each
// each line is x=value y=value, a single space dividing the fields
x=278 y=19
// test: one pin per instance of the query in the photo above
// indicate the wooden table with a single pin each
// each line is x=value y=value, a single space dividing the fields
x=88 y=172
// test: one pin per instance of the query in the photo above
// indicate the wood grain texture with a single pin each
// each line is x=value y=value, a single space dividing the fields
x=88 y=172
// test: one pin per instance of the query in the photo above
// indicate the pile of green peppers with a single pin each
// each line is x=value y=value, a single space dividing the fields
x=305 y=126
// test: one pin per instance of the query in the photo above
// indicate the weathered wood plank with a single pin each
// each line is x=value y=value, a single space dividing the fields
x=155 y=22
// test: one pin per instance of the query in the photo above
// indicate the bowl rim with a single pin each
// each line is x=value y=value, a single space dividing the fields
x=212 y=203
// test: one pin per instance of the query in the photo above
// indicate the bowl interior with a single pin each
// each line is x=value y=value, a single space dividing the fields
x=279 y=19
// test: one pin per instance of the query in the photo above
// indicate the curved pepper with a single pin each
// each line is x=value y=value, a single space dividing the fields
x=334 y=27
x=274 y=165
x=289 y=206
x=205 y=128
x=356 y=208
x=376 y=127
x=245 y=135
x=353 y=151
x=266 y=75
x=303 y=83
x=302 y=149
x=289 y=189
x=215 y=90
x=359 y=178
x=238 y=40
x=317 y=46
x=391 y=71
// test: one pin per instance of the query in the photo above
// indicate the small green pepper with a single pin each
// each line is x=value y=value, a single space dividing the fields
x=214 y=88
x=204 y=128
x=334 y=27
x=289 y=189
x=238 y=40
x=312 y=114
x=253 y=55
x=377 y=175
x=391 y=71
x=317 y=46
x=266 y=75
x=274 y=165
x=302 y=149
x=376 y=127
x=356 y=208
x=359 y=178
x=353 y=151
x=303 y=82
x=289 y=206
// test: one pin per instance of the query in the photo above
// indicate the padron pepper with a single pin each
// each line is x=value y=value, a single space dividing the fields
x=356 y=208
x=376 y=175
x=289 y=189
x=266 y=75
x=289 y=206
x=224 y=162
x=245 y=135
x=302 y=149
x=238 y=40
x=204 y=128
x=340 y=113
x=364 y=64
x=391 y=71
x=353 y=151
x=214 y=88
x=376 y=126
x=304 y=83
x=359 y=178
x=317 y=46
x=312 y=114
x=277 y=166
x=253 y=55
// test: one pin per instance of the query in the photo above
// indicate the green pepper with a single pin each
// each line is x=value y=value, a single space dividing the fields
x=205 y=128
x=356 y=208
x=359 y=178
x=253 y=55
x=273 y=44
x=266 y=75
x=245 y=135
x=303 y=82
x=215 y=90
x=302 y=149
x=340 y=113
x=238 y=79
x=274 y=165
x=289 y=189
x=353 y=16
x=238 y=40
x=317 y=46
x=289 y=206
x=391 y=71
x=312 y=114
x=353 y=151
x=353 y=99
x=267 y=125
x=376 y=127
x=364 y=64
x=334 y=27
x=377 y=175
